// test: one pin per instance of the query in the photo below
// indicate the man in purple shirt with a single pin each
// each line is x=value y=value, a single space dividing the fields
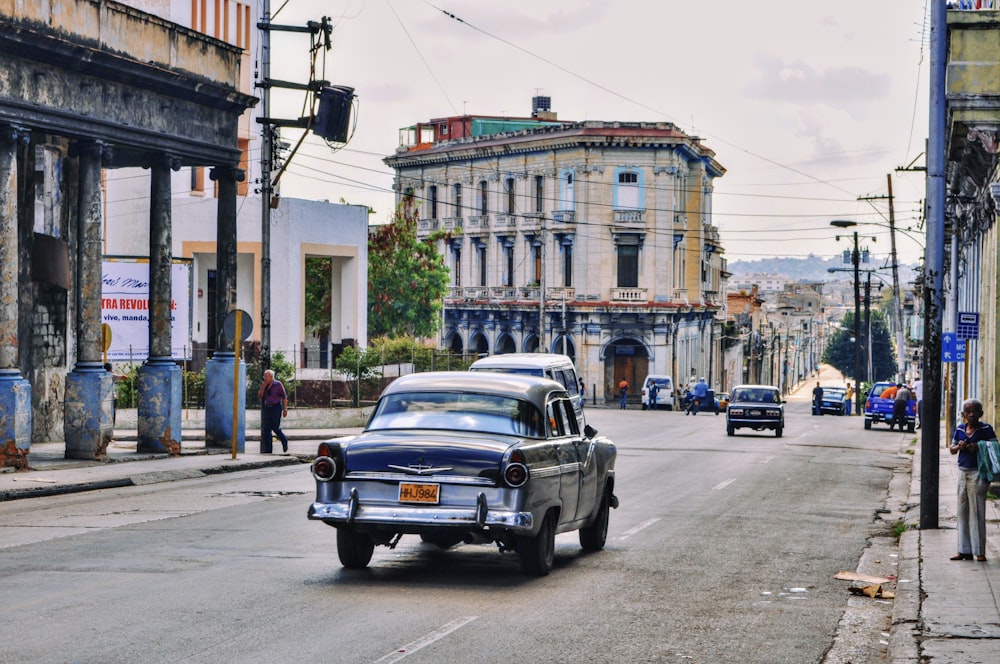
x=273 y=404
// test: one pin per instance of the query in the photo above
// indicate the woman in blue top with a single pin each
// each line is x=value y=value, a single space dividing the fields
x=971 y=489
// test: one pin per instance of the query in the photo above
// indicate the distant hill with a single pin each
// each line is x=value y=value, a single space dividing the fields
x=814 y=268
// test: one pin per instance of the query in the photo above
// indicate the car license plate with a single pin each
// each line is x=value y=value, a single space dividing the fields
x=755 y=413
x=419 y=493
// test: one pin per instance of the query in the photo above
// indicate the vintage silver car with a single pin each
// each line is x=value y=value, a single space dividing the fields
x=468 y=457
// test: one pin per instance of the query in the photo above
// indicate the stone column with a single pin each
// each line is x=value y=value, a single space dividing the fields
x=219 y=370
x=160 y=379
x=89 y=390
x=15 y=391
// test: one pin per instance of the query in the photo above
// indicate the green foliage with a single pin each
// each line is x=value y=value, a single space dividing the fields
x=361 y=368
x=899 y=528
x=283 y=371
x=407 y=279
x=127 y=390
x=194 y=388
x=423 y=356
x=839 y=351
x=318 y=294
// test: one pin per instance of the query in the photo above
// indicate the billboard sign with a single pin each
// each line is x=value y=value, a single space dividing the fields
x=125 y=307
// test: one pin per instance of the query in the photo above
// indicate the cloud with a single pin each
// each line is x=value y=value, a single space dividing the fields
x=798 y=82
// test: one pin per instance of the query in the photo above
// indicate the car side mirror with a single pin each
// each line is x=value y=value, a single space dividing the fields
x=589 y=431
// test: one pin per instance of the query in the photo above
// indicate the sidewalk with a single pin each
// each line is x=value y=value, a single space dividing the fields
x=947 y=611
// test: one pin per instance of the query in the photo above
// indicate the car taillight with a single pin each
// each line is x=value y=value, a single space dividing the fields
x=515 y=473
x=324 y=468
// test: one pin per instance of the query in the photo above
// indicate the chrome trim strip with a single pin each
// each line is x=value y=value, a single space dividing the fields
x=423 y=470
x=405 y=515
x=403 y=477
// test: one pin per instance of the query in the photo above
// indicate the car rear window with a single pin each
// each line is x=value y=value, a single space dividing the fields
x=756 y=395
x=458 y=411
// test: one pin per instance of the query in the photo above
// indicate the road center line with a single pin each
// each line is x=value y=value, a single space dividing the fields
x=642 y=526
x=426 y=640
x=723 y=485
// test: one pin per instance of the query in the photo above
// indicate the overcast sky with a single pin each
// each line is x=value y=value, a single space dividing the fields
x=808 y=105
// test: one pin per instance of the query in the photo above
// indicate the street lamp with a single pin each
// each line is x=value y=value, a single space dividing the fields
x=855 y=260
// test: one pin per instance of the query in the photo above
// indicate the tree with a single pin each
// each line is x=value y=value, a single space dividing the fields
x=407 y=278
x=839 y=351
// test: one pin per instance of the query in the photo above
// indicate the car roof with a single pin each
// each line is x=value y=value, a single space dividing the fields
x=522 y=360
x=532 y=388
x=754 y=387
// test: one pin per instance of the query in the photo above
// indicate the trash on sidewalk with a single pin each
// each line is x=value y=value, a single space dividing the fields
x=874 y=590
x=866 y=578
x=873 y=585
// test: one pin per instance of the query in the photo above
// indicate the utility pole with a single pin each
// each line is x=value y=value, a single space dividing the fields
x=934 y=270
x=266 y=167
x=900 y=335
x=855 y=261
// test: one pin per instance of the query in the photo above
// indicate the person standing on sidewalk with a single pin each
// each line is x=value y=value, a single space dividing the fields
x=273 y=404
x=848 y=399
x=623 y=394
x=971 y=489
x=918 y=394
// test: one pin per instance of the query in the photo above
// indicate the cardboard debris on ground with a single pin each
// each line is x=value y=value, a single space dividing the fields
x=873 y=590
x=864 y=578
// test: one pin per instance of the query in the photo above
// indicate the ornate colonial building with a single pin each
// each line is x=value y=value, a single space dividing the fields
x=589 y=238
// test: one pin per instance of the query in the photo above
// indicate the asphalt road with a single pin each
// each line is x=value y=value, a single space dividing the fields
x=723 y=550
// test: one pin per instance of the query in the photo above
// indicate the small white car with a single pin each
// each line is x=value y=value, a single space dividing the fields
x=665 y=395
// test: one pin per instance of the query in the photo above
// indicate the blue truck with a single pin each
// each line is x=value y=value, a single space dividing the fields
x=878 y=409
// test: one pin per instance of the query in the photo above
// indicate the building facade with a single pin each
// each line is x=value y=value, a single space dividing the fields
x=593 y=239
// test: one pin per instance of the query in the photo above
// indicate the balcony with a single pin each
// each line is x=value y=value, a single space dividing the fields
x=628 y=294
x=477 y=292
x=564 y=216
x=560 y=293
x=456 y=292
x=451 y=223
x=428 y=225
x=530 y=221
x=503 y=293
x=529 y=292
x=630 y=218
x=505 y=221
x=478 y=222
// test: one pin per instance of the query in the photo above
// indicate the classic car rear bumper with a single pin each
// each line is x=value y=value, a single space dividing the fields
x=410 y=516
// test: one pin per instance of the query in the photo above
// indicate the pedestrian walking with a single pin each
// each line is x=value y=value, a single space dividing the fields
x=972 y=485
x=848 y=399
x=583 y=394
x=623 y=392
x=918 y=394
x=273 y=405
x=818 y=399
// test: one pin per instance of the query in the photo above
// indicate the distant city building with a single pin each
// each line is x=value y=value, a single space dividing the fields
x=590 y=238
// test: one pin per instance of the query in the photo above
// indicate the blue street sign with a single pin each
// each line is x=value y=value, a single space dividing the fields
x=967 y=325
x=952 y=348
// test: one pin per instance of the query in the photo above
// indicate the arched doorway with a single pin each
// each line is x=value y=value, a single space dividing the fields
x=480 y=344
x=569 y=349
x=455 y=343
x=531 y=344
x=625 y=359
x=505 y=344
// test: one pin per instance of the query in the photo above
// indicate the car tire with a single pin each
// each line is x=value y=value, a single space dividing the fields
x=778 y=431
x=354 y=549
x=593 y=537
x=868 y=423
x=538 y=553
x=730 y=430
